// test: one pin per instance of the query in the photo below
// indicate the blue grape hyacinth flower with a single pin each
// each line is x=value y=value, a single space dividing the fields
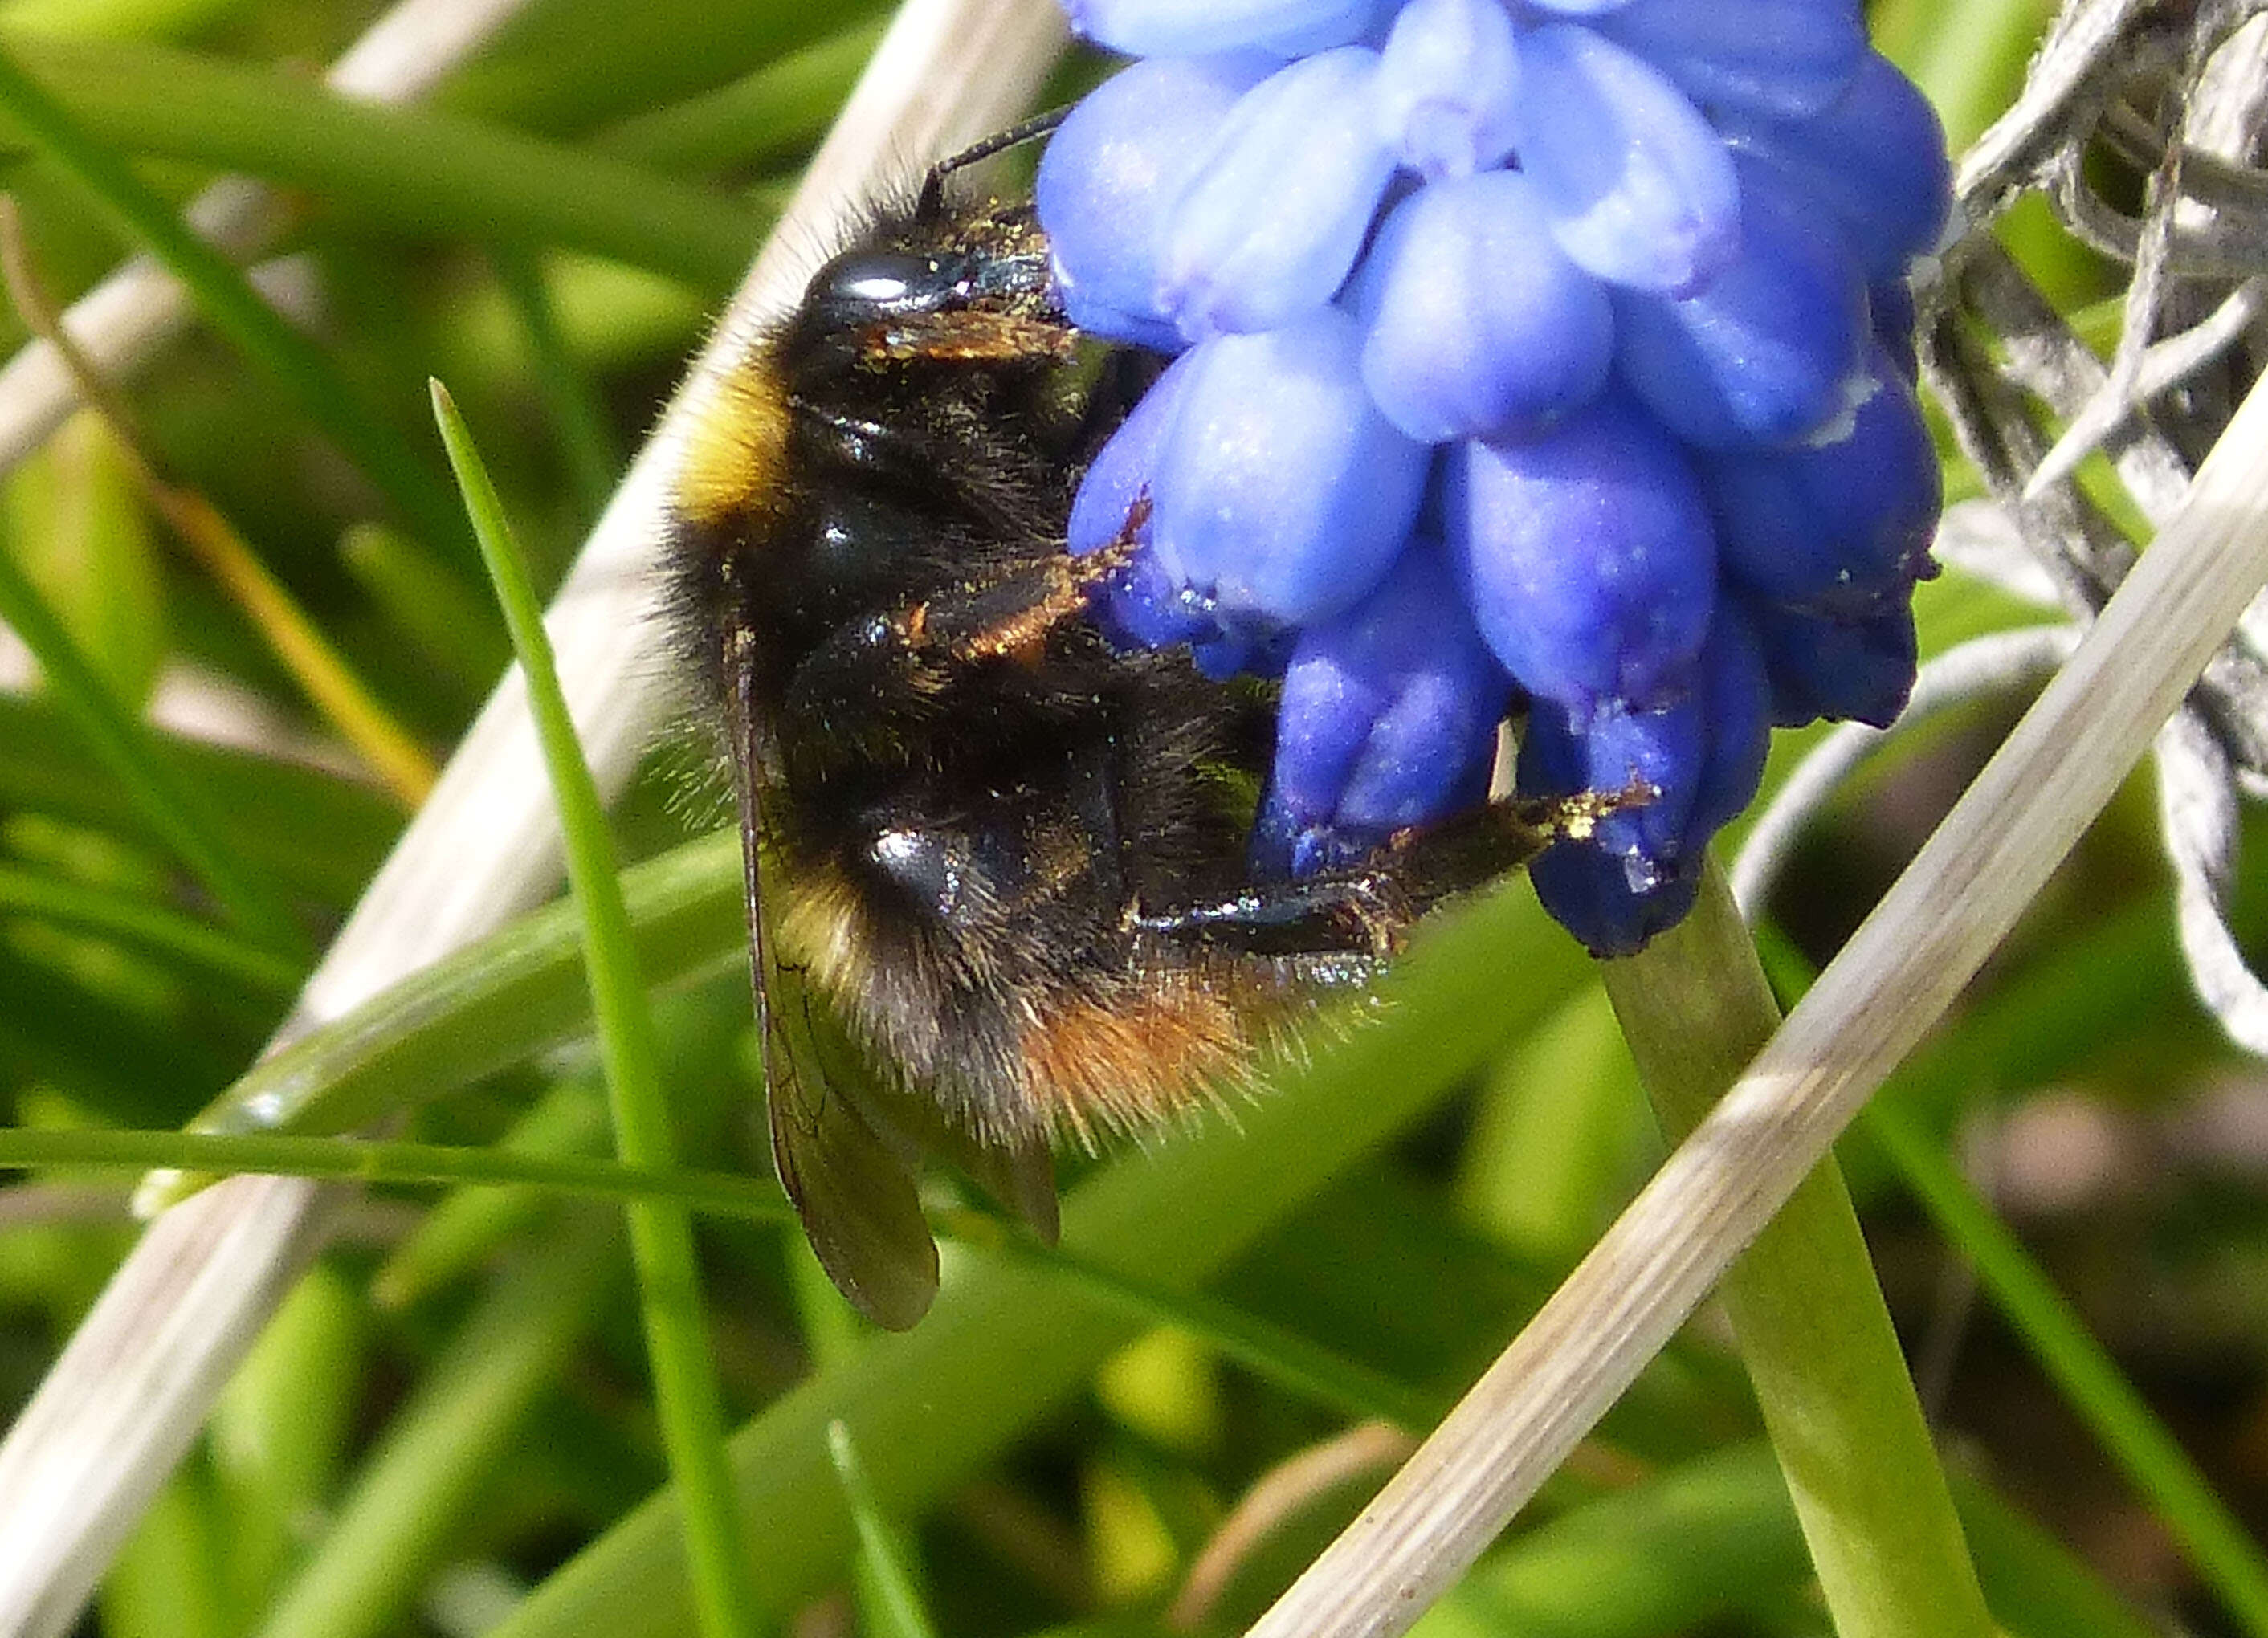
x=1534 y=362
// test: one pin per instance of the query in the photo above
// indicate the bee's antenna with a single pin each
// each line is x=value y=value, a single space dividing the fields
x=932 y=200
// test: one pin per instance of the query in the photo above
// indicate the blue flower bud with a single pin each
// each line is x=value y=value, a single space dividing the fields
x=1113 y=169
x=1141 y=606
x=1771 y=351
x=1703 y=752
x=1842 y=670
x=1739 y=705
x=1180 y=28
x=1448 y=84
x=1841 y=528
x=1282 y=495
x=1873 y=159
x=1587 y=555
x=1477 y=325
x=1388 y=719
x=1639 y=185
x=1258 y=654
x=1277 y=210
x=1782 y=59
x=1890 y=316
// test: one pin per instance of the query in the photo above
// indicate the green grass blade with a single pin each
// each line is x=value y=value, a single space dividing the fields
x=228 y=299
x=765 y=114
x=151 y=929
x=1006 y=1342
x=419 y=170
x=167 y=1583
x=2037 y=1587
x=462 y=1232
x=173 y=810
x=579 y=422
x=661 y=1235
x=489 y=1005
x=310 y=832
x=284 y=1430
x=1690 y=1547
x=411 y=1500
x=1291 y=1361
x=385 y=1160
x=889 y=1595
x=453 y=630
x=2226 y=1554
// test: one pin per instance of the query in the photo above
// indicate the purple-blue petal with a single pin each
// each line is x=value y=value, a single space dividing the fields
x=1142 y=607
x=1477 y=324
x=1113 y=169
x=1448 y=86
x=1841 y=670
x=1781 y=59
x=1615 y=904
x=1630 y=879
x=1282 y=495
x=1840 y=528
x=1387 y=719
x=1703 y=752
x=1875 y=159
x=1277 y=207
x=1157 y=29
x=1739 y=704
x=1891 y=315
x=1639 y=186
x=1588 y=554
x=1771 y=351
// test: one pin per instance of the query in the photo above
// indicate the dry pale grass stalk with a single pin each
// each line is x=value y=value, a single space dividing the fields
x=1895 y=978
x=133 y=1386
x=1364 y=1452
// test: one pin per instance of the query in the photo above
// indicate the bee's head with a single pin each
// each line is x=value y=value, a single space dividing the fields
x=967 y=291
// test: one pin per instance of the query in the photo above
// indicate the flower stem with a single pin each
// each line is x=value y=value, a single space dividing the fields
x=1813 y=1332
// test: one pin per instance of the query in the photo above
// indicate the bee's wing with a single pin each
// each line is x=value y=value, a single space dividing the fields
x=1021 y=1179
x=1020 y=1176
x=856 y=1200
x=855 y=1197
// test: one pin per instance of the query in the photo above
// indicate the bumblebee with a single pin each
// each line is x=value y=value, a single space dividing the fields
x=1002 y=857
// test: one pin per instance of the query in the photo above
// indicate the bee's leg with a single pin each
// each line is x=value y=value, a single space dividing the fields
x=1364 y=909
x=1013 y=616
x=911 y=657
x=1354 y=913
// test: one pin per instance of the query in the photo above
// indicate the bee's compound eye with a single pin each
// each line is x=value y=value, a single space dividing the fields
x=882 y=284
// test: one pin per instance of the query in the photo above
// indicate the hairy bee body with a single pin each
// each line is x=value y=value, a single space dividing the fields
x=1009 y=858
